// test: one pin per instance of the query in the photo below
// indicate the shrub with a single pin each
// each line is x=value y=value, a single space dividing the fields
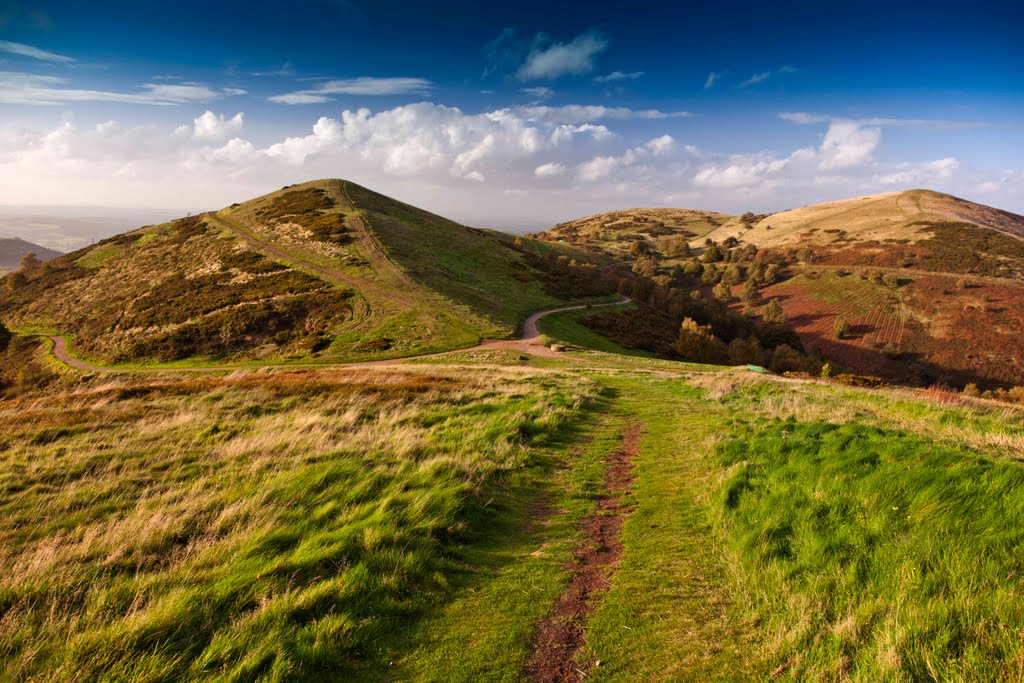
x=773 y=313
x=841 y=327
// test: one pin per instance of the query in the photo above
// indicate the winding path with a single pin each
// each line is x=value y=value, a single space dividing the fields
x=529 y=343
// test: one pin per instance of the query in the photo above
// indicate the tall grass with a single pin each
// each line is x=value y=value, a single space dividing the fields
x=256 y=527
x=876 y=554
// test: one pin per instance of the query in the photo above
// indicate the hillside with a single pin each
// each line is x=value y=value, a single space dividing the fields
x=325 y=270
x=915 y=286
x=492 y=517
x=617 y=230
x=13 y=249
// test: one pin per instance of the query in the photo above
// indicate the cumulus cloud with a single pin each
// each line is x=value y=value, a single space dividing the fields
x=33 y=52
x=474 y=166
x=364 y=86
x=549 y=169
x=210 y=126
x=618 y=76
x=24 y=88
x=547 y=61
x=848 y=143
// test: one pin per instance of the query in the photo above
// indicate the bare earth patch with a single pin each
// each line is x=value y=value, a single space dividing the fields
x=561 y=635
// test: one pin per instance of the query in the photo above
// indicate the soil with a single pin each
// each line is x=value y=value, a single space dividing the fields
x=561 y=634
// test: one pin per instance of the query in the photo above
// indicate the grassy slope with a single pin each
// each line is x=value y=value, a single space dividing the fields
x=415 y=523
x=297 y=274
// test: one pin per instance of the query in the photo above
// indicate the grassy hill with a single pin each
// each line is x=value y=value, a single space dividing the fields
x=439 y=521
x=922 y=287
x=325 y=270
x=13 y=249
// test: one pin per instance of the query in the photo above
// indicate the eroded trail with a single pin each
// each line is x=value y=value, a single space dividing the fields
x=561 y=634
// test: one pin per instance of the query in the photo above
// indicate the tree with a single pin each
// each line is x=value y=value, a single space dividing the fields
x=771 y=273
x=773 y=313
x=711 y=276
x=730 y=242
x=712 y=254
x=751 y=294
x=5 y=337
x=723 y=292
x=743 y=351
x=826 y=370
x=30 y=263
x=645 y=265
x=787 y=359
x=696 y=343
x=841 y=327
x=16 y=281
x=734 y=275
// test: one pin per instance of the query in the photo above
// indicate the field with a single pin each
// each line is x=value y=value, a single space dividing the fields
x=929 y=329
x=423 y=521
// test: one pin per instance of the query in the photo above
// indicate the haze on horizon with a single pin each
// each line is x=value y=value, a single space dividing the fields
x=513 y=116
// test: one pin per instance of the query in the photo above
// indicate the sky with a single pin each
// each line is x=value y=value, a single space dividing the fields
x=514 y=115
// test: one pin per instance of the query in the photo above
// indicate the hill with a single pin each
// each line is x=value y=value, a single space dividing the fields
x=13 y=249
x=617 y=230
x=324 y=270
x=914 y=286
x=492 y=517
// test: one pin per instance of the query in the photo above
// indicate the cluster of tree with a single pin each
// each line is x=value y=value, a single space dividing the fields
x=1011 y=395
x=675 y=321
x=566 y=278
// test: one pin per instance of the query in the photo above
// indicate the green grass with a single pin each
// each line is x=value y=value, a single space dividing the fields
x=566 y=327
x=252 y=528
x=476 y=268
x=876 y=554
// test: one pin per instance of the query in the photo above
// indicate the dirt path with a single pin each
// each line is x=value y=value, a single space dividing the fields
x=529 y=343
x=560 y=636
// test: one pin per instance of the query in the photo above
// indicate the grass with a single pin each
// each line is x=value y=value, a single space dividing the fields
x=566 y=327
x=251 y=527
x=875 y=554
x=417 y=522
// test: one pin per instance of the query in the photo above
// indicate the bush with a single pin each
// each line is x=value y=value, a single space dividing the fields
x=841 y=327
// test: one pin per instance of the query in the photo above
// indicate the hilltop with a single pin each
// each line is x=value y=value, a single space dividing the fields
x=323 y=270
x=13 y=249
x=914 y=286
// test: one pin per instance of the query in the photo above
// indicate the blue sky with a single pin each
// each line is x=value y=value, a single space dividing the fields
x=515 y=115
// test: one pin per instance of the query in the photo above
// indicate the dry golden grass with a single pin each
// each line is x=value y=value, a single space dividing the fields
x=215 y=527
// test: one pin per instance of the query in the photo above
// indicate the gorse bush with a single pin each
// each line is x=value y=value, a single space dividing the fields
x=876 y=555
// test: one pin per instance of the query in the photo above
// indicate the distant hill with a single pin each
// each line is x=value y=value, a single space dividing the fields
x=930 y=287
x=326 y=269
x=13 y=249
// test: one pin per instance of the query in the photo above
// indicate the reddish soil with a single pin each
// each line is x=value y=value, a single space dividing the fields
x=560 y=636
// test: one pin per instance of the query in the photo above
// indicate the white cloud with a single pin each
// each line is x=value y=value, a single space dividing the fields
x=363 y=86
x=805 y=118
x=210 y=126
x=540 y=92
x=713 y=77
x=575 y=58
x=24 y=88
x=577 y=113
x=475 y=167
x=763 y=76
x=549 y=169
x=618 y=76
x=848 y=143
x=33 y=52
